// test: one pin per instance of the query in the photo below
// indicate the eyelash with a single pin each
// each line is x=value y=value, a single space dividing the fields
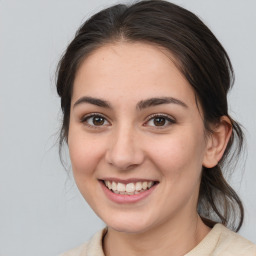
x=85 y=119
x=166 y=118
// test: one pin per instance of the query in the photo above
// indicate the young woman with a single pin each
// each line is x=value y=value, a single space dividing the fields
x=144 y=97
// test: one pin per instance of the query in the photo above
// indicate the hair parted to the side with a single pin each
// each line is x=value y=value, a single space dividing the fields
x=201 y=59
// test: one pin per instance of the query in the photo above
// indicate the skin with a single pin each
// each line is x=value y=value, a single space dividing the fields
x=128 y=145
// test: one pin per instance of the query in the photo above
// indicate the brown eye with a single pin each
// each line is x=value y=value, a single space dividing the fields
x=98 y=120
x=95 y=121
x=159 y=121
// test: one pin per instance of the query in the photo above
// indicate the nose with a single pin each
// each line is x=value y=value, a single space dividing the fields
x=124 y=150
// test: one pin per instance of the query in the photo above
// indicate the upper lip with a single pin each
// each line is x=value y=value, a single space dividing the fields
x=126 y=181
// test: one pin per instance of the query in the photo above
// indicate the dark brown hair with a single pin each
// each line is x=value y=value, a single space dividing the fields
x=199 y=56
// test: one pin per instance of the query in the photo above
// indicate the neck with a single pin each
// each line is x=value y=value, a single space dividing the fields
x=169 y=239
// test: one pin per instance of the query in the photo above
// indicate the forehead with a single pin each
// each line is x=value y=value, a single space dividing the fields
x=128 y=69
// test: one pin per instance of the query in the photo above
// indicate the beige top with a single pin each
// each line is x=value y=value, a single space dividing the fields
x=220 y=241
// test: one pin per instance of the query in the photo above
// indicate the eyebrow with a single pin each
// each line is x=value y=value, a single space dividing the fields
x=140 y=105
x=159 y=101
x=93 y=101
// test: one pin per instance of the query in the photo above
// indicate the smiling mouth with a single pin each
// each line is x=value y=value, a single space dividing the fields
x=132 y=188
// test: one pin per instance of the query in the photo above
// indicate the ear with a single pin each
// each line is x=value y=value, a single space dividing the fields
x=217 y=142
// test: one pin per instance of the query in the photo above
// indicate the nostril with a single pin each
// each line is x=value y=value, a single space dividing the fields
x=124 y=150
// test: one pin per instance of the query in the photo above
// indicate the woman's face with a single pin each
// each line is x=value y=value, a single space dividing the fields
x=136 y=137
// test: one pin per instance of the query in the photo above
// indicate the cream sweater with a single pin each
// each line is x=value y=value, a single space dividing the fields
x=220 y=241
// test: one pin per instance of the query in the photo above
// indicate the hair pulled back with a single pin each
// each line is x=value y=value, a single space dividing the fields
x=200 y=58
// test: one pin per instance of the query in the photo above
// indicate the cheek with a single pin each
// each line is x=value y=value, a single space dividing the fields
x=84 y=152
x=179 y=154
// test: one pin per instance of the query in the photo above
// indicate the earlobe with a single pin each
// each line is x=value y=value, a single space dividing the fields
x=217 y=142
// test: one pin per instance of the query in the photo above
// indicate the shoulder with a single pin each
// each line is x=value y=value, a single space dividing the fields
x=223 y=242
x=93 y=247
x=234 y=244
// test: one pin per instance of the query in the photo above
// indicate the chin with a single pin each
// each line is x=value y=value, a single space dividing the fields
x=129 y=229
x=129 y=225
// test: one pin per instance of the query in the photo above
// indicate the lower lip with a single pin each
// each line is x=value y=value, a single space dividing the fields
x=126 y=199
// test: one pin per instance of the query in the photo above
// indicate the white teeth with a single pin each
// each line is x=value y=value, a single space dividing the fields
x=138 y=186
x=108 y=184
x=130 y=188
x=150 y=184
x=144 y=185
x=120 y=187
x=113 y=185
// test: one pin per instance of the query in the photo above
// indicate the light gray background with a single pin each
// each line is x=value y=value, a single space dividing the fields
x=41 y=211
